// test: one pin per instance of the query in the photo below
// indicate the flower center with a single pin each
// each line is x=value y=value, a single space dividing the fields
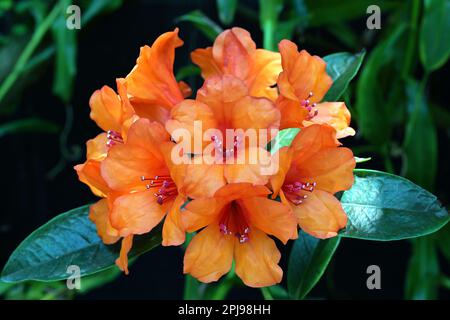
x=294 y=192
x=233 y=222
x=163 y=186
x=221 y=150
x=113 y=137
x=306 y=103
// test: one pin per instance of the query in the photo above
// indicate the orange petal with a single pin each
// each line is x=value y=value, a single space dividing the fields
x=136 y=213
x=234 y=191
x=204 y=59
x=233 y=50
x=334 y=114
x=203 y=180
x=266 y=66
x=209 y=254
x=321 y=214
x=302 y=74
x=139 y=156
x=251 y=165
x=185 y=89
x=271 y=216
x=255 y=113
x=173 y=231
x=257 y=260
x=284 y=158
x=106 y=109
x=122 y=261
x=202 y=212
x=292 y=114
x=221 y=94
x=151 y=111
x=99 y=214
x=152 y=79
x=89 y=172
x=193 y=117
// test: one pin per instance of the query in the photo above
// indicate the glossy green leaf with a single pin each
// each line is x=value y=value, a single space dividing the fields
x=420 y=145
x=66 y=51
x=99 y=279
x=68 y=239
x=268 y=20
x=362 y=160
x=28 y=125
x=307 y=262
x=226 y=10
x=208 y=27
x=91 y=9
x=434 y=40
x=283 y=139
x=342 y=68
x=422 y=277
x=374 y=96
x=384 y=207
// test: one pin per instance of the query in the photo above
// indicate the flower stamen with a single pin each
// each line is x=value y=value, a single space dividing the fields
x=306 y=103
x=165 y=187
x=113 y=137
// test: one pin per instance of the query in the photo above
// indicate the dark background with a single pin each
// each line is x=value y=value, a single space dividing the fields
x=107 y=50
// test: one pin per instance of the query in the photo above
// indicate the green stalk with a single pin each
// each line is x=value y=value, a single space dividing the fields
x=412 y=39
x=29 y=50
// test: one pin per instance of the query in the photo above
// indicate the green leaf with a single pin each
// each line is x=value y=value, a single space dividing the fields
x=307 y=262
x=362 y=160
x=28 y=125
x=325 y=12
x=384 y=207
x=342 y=68
x=420 y=145
x=91 y=9
x=268 y=20
x=276 y=292
x=226 y=9
x=68 y=239
x=422 y=277
x=98 y=279
x=187 y=71
x=66 y=51
x=283 y=139
x=208 y=27
x=434 y=42
x=375 y=96
x=443 y=240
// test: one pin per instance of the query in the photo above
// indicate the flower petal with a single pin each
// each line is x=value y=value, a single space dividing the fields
x=99 y=214
x=302 y=74
x=139 y=156
x=321 y=214
x=202 y=212
x=122 y=261
x=152 y=79
x=173 y=231
x=209 y=254
x=334 y=114
x=292 y=114
x=266 y=66
x=271 y=216
x=136 y=213
x=257 y=260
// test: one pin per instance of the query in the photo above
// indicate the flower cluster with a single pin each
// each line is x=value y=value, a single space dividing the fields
x=145 y=171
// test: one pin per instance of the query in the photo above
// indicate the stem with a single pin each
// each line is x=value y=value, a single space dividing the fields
x=29 y=49
x=266 y=294
x=412 y=39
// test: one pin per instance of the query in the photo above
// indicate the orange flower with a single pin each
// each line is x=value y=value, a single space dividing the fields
x=303 y=84
x=151 y=84
x=311 y=170
x=236 y=222
x=234 y=53
x=224 y=103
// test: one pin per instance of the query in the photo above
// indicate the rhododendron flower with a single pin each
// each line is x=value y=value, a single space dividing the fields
x=302 y=84
x=224 y=103
x=151 y=84
x=236 y=222
x=311 y=171
x=301 y=78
